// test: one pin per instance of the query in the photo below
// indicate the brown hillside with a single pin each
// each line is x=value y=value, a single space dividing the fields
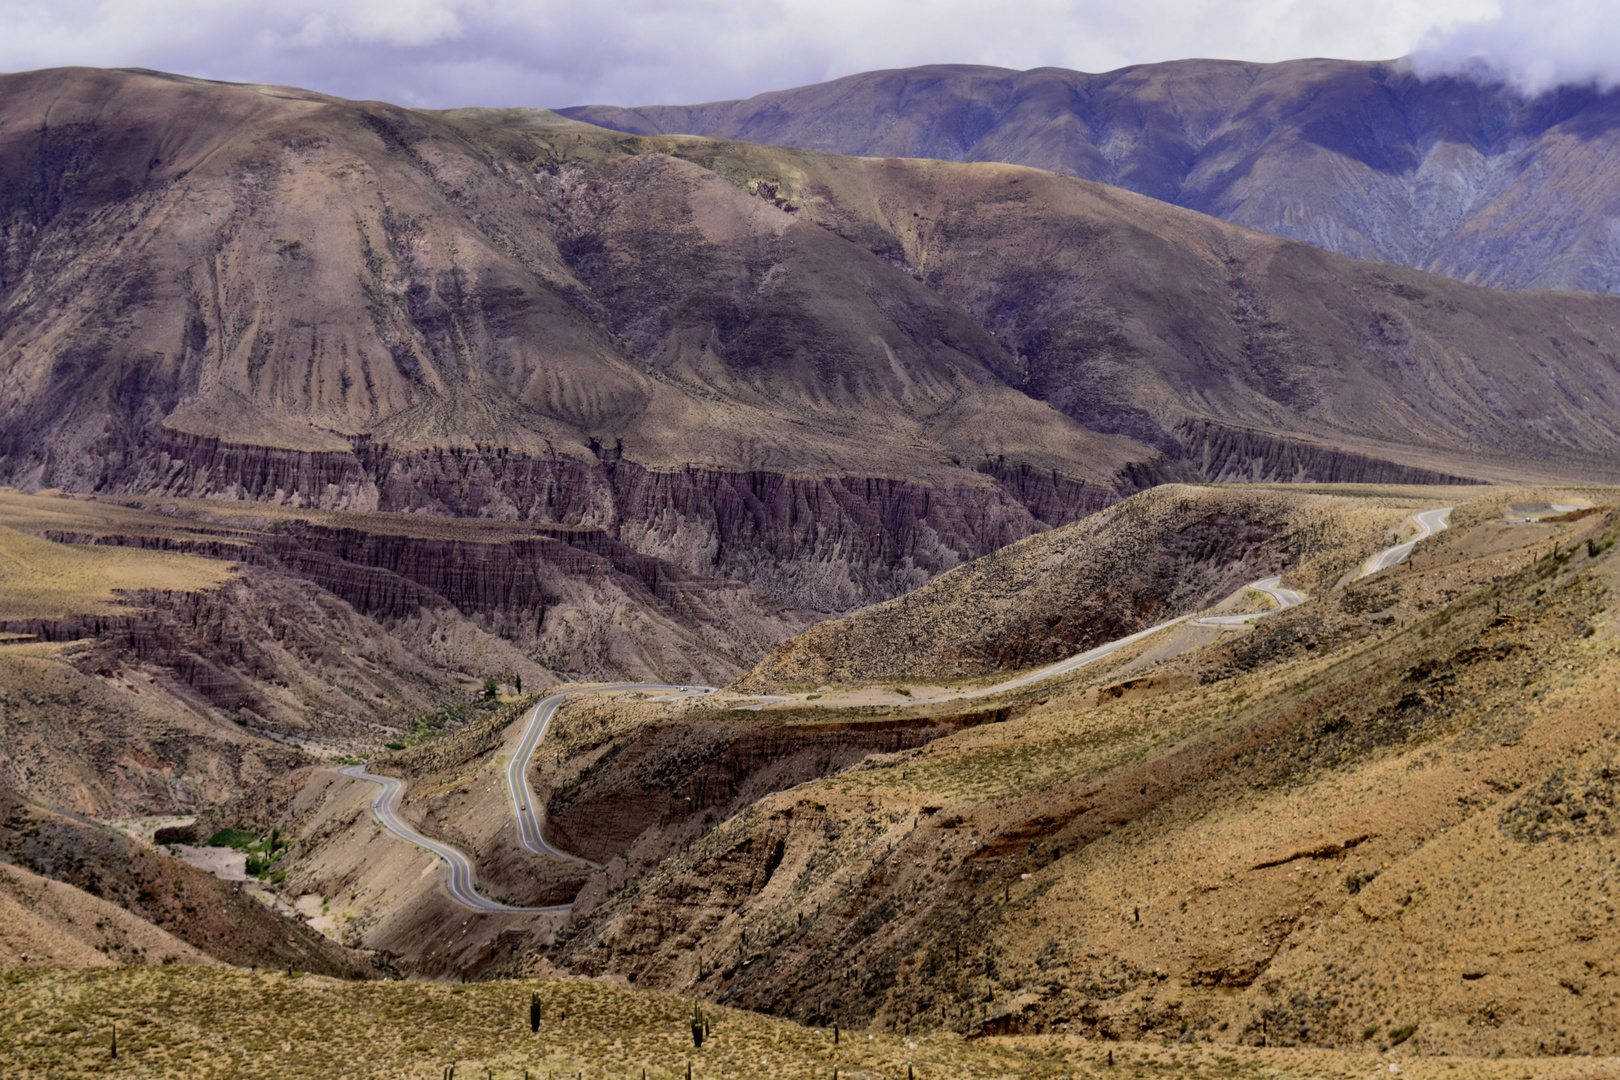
x=1244 y=356
x=263 y=293
x=1167 y=552
x=829 y=378
x=44 y=923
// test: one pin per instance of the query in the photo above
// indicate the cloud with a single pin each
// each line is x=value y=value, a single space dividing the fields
x=1532 y=46
x=561 y=52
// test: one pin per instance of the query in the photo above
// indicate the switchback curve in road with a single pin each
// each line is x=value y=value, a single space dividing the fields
x=1428 y=522
x=531 y=826
x=1272 y=587
x=461 y=882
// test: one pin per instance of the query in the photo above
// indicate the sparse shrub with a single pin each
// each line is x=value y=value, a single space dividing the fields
x=394 y=746
x=240 y=839
x=1401 y=1034
x=491 y=688
x=1359 y=880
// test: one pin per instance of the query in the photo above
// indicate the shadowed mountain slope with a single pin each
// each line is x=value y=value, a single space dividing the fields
x=1476 y=182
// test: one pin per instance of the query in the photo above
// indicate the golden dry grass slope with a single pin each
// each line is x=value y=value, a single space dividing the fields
x=225 y=1023
x=41 y=579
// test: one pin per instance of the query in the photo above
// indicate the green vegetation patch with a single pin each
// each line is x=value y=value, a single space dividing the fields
x=433 y=724
x=240 y=839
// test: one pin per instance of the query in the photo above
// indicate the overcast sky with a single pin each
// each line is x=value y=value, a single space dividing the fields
x=446 y=53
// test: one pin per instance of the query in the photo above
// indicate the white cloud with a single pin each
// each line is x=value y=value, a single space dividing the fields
x=561 y=52
x=1533 y=46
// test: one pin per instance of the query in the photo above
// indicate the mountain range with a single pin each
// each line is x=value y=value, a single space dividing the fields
x=1461 y=177
x=829 y=377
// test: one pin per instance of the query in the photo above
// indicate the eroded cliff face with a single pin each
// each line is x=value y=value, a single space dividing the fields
x=661 y=784
x=323 y=632
x=1227 y=455
x=822 y=543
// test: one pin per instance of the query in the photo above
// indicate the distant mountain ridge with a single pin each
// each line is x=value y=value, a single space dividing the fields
x=1475 y=182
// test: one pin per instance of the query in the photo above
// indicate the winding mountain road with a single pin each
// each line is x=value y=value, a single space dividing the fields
x=1272 y=587
x=526 y=810
x=461 y=882
x=1429 y=522
x=531 y=826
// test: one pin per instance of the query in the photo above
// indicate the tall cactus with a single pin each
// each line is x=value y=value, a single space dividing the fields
x=534 y=1010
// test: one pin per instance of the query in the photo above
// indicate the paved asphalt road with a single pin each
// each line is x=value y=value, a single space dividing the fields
x=1429 y=522
x=460 y=883
x=525 y=807
x=527 y=811
x=1272 y=587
